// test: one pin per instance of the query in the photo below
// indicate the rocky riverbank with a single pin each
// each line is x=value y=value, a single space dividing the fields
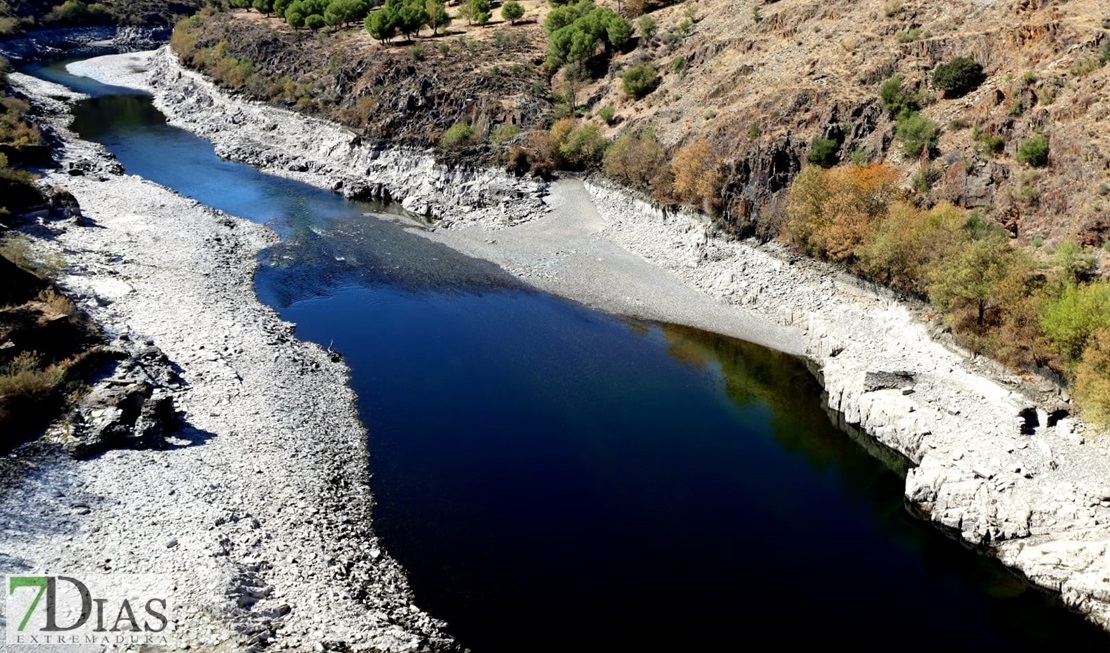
x=259 y=506
x=994 y=461
x=81 y=41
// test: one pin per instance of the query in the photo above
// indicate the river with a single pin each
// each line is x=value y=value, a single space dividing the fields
x=555 y=478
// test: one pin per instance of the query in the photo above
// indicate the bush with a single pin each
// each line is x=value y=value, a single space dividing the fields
x=635 y=159
x=607 y=113
x=647 y=27
x=991 y=143
x=958 y=77
x=822 y=152
x=916 y=133
x=457 y=135
x=502 y=133
x=1034 y=151
x=314 y=22
x=27 y=376
x=895 y=99
x=639 y=80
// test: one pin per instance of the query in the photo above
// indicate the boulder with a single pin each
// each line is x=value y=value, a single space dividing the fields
x=873 y=381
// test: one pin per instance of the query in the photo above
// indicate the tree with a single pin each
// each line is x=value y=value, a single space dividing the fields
x=382 y=24
x=1071 y=319
x=958 y=77
x=972 y=276
x=830 y=213
x=697 y=180
x=314 y=22
x=295 y=16
x=472 y=10
x=342 y=12
x=577 y=31
x=1092 y=378
x=436 y=15
x=279 y=7
x=411 y=16
x=907 y=244
x=478 y=11
x=263 y=6
x=512 y=11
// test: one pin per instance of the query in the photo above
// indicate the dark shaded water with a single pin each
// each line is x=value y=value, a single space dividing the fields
x=556 y=479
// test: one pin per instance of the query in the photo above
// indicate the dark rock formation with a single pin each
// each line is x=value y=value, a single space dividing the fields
x=131 y=406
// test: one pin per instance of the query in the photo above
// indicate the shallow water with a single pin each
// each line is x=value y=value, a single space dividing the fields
x=554 y=478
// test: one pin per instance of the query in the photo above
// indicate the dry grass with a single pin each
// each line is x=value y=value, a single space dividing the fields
x=26 y=376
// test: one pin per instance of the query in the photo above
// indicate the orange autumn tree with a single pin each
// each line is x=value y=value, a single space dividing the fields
x=831 y=212
x=697 y=176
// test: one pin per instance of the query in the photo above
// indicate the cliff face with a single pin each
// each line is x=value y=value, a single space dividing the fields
x=757 y=81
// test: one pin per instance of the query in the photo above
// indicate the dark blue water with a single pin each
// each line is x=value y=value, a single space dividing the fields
x=557 y=479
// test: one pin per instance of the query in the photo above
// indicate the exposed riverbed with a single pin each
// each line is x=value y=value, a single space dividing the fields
x=550 y=475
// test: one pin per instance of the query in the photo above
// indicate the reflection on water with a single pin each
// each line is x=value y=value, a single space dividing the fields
x=557 y=479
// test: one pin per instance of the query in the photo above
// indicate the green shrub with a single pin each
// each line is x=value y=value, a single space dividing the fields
x=457 y=135
x=314 y=22
x=895 y=99
x=958 y=77
x=639 y=80
x=647 y=27
x=991 y=143
x=927 y=175
x=1034 y=151
x=823 y=152
x=915 y=132
x=607 y=113
x=503 y=133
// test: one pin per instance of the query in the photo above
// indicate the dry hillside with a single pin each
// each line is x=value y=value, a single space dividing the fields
x=804 y=68
x=759 y=82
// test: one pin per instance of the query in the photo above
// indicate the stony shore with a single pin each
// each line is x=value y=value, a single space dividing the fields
x=1039 y=501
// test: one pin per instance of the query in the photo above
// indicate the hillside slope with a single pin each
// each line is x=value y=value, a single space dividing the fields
x=758 y=82
x=808 y=68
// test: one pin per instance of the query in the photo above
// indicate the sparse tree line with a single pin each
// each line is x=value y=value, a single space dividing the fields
x=383 y=21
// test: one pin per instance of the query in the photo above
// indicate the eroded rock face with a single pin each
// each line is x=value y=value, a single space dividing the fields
x=130 y=406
